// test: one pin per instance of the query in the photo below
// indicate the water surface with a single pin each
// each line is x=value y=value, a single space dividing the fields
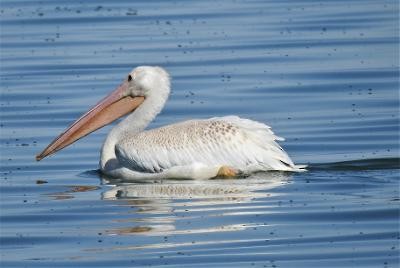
x=324 y=75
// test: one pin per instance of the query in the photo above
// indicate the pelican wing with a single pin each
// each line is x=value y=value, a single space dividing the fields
x=240 y=143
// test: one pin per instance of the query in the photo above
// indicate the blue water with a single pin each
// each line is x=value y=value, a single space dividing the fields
x=324 y=75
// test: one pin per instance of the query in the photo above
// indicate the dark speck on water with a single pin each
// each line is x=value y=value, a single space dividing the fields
x=324 y=75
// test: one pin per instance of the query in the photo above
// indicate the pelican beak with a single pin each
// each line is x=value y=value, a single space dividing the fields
x=110 y=108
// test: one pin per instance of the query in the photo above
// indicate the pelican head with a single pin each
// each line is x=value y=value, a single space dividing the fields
x=145 y=81
x=141 y=83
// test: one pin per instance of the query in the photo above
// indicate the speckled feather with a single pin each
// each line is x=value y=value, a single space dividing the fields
x=240 y=143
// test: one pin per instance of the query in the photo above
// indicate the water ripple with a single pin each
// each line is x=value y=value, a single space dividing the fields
x=323 y=75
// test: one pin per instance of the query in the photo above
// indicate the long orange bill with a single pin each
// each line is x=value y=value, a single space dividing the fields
x=110 y=108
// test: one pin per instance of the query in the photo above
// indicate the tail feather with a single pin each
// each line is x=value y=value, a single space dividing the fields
x=273 y=157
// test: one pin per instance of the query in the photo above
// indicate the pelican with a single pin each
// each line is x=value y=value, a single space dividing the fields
x=195 y=149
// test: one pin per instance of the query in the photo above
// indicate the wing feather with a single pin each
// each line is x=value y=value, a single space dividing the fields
x=240 y=143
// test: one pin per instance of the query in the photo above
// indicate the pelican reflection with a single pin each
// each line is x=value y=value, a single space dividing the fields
x=161 y=206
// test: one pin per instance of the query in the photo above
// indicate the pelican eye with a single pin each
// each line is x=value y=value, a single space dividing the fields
x=129 y=78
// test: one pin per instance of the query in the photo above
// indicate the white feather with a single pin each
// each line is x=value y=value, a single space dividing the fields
x=190 y=149
x=230 y=141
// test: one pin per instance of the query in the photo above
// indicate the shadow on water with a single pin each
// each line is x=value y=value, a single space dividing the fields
x=365 y=164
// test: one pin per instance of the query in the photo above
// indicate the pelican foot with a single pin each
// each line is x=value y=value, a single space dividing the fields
x=225 y=171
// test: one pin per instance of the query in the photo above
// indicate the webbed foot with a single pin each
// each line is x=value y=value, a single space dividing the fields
x=225 y=171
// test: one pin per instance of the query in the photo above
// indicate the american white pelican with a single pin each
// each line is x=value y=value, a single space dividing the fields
x=197 y=149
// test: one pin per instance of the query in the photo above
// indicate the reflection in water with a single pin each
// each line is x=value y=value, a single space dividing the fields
x=162 y=203
x=69 y=193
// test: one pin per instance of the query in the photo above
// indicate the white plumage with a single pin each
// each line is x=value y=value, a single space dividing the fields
x=232 y=141
x=197 y=149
